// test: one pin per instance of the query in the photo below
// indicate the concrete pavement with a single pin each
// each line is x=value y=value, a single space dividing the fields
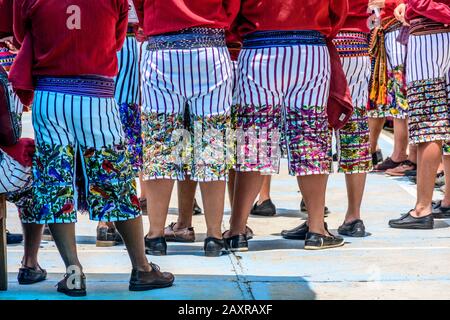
x=389 y=264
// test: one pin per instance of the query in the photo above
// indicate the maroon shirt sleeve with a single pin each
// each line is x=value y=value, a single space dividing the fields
x=139 y=6
x=21 y=21
x=232 y=9
x=338 y=14
x=433 y=10
x=122 y=24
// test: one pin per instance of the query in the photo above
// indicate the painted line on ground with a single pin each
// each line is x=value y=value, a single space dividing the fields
x=287 y=249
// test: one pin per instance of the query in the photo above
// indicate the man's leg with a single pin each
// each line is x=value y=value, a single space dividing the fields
x=264 y=193
x=231 y=186
x=429 y=158
x=158 y=193
x=313 y=189
x=375 y=126
x=247 y=187
x=186 y=195
x=213 y=195
x=64 y=235
x=32 y=234
x=399 y=153
x=182 y=230
x=133 y=235
x=355 y=183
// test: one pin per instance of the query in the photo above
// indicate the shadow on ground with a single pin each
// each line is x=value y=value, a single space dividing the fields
x=187 y=287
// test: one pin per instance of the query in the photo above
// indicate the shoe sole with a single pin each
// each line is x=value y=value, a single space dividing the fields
x=324 y=247
x=413 y=227
x=47 y=238
x=179 y=240
x=441 y=216
x=238 y=249
x=213 y=254
x=293 y=238
x=149 y=287
x=155 y=253
x=105 y=244
x=26 y=283
x=74 y=293
x=353 y=234
x=262 y=214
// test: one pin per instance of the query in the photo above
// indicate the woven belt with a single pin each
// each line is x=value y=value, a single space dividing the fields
x=265 y=39
x=6 y=58
x=89 y=86
x=188 y=39
x=352 y=44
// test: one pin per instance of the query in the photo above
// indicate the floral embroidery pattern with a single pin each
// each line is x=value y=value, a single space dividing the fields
x=353 y=144
x=109 y=187
x=130 y=115
x=428 y=111
x=307 y=137
x=172 y=151
x=397 y=106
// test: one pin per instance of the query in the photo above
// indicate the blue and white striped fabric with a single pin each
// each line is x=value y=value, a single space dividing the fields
x=201 y=78
x=127 y=81
x=395 y=51
x=428 y=57
x=13 y=176
x=64 y=119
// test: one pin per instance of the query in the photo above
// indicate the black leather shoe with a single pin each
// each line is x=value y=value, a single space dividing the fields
x=214 y=247
x=407 y=221
x=377 y=157
x=156 y=246
x=237 y=243
x=303 y=209
x=315 y=241
x=13 y=238
x=265 y=209
x=440 y=212
x=197 y=210
x=71 y=286
x=298 y=233
x=29 y=275
x=353 y=229
x=149 y=280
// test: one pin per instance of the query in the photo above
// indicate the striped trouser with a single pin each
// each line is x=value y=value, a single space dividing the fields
x=397 y=106
x=199 y=81
x=353 y=139
x=15 y=182
x=81 y=161
x=128 y=97
x=284 y=89
x=6 y=60
x=427 y=70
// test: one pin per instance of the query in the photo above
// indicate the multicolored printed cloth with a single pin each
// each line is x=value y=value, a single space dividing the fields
x=6 y=58
x=353 y=147
x=187 y=97
x=81 y=161
x=428 y=111
x=283 y=89
x=352 y=44
x=397 y=102
x=130 y=116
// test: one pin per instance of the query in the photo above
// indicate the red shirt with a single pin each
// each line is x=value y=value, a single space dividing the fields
x=234 y=43
x=266 y=15
x=62 y=46
x=436 y=10
x=389 y=7
x=357 y=16
x=164 y=16
x=6 y=18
